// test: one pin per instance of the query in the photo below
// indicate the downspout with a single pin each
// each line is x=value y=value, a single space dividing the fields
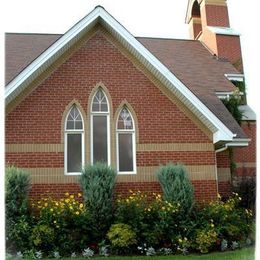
x=216 y=168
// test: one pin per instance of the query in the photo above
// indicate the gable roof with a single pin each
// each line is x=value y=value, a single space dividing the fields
x=149 y=60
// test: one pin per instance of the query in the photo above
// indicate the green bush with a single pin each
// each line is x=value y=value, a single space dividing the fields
x=42 y=237
x=154 y=220
x=121 y=237
x=68 y=218
x=206 y=239
x=176 y=186
x=17 y=185
x=230 y=221
x=98 y=182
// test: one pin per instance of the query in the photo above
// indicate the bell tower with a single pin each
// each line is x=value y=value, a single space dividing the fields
x=209 y=22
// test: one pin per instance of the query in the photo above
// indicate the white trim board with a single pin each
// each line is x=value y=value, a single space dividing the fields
x=162 y=73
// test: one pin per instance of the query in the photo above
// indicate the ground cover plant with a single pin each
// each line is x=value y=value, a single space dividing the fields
x=96 y=223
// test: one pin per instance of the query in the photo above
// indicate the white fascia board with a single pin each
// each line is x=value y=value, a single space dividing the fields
x=235 y=77
x=221 y=133
x=240 y=142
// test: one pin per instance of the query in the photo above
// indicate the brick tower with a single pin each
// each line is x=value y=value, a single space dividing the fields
x=209 y=22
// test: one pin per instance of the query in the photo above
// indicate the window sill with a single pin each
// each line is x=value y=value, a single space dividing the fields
x=126 y=173
x=72 y=173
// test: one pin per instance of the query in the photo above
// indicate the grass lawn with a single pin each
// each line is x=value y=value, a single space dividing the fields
x=242 y=254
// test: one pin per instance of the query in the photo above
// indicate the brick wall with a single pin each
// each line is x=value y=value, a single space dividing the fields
x=37 y=119
x=214 y=15
x=204 y=190
x=245 y=157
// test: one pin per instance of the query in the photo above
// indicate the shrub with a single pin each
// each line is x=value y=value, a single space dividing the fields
x=42 y=237
x=154 y=221
x=98 y=183
x=69 y=219
x=176 y=186
x=17 y=185
x=230 y=221
x=121 y=237
x=206 y=239
x=246 y=188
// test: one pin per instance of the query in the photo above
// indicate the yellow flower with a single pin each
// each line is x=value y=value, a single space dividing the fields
x=67 y=200
x=54 y=221
x=72 y=196
x=51 y=210
x=79 y=195
x=163 y=208
x=149 y=209
x=180 y=240
x=81 y=205
x=212 y=225
x=67 y=194
x=77 y=213
x=127 y=200
x=45 y=204
x=71 y=207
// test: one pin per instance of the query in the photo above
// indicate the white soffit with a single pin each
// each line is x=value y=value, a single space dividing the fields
x=99 y=14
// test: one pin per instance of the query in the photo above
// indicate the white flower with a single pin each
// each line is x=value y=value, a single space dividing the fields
x=150 y=251
x=88 y=252
x=73 y=255
x=38 y=254
x=56 y=254
x=19 y=254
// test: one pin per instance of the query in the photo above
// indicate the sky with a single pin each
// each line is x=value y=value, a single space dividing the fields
x=155 y=18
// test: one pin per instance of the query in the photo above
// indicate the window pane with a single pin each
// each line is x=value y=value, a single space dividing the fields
x=99 y=102
x=74 y=120
x=74 y=153
x=125 y=150
x=99 y=139
x=70 y=125
x=124 y=120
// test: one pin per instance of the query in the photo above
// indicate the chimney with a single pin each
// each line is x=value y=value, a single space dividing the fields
x=209 y=22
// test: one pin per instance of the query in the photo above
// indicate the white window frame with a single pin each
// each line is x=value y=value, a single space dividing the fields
x=126 y=131
x=100 y=113
x=69 y=132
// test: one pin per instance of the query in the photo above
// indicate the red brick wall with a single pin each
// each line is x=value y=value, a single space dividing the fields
x=246 y=157
x=229 y=48
x=37 y=119
x=204 y=190
x=216 y=15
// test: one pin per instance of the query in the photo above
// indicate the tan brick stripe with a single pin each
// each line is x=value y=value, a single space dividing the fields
x=33 y=148
x=145 y=174
x=176 y=147
x=224 y=174
x=188 y=147
x=246 y=165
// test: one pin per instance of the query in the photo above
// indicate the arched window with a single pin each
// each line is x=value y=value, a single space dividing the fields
x=74 y=142
x=125 y=138
x=100 y=131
